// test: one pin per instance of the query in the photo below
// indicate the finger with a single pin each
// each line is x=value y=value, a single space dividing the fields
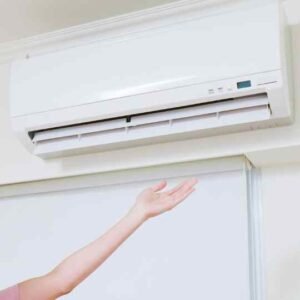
x=176 y=188
x=183 y=185
x=192 y=182
x=183 y=196
x=159 y=186
x=182 y=193
x=188 y=184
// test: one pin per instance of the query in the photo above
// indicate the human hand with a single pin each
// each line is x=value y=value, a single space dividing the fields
x=154 y=201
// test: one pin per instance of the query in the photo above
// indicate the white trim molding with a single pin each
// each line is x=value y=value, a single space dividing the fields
x=190 y=168
x=255 y=217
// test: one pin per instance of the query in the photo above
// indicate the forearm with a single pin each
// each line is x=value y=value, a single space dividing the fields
x=82 y=263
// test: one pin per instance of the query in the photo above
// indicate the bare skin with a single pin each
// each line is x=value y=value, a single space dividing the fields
x=78 y=266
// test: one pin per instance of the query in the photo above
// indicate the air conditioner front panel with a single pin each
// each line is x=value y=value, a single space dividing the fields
x=192 y=75
x=202 y=50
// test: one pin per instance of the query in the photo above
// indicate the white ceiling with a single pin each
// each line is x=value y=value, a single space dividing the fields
x=24 y=18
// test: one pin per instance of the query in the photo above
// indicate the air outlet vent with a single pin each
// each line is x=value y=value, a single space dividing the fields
x=174 y=121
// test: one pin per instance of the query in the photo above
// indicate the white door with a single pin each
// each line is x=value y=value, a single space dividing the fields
x=205 y=249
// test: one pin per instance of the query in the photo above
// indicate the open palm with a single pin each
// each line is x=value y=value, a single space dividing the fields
x=154 y=201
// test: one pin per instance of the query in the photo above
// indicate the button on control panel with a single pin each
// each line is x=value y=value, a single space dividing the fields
x=229 y=86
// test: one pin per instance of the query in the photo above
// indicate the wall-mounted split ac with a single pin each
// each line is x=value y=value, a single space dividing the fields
x=188 y=71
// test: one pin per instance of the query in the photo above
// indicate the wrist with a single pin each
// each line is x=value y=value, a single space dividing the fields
x=137 y=214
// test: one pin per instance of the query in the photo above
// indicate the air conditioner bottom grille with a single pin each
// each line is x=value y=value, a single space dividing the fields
x=159 y=125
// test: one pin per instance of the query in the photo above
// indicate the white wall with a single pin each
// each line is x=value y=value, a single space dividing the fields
x=31 y=17
x=293 y=11
x=281 y=213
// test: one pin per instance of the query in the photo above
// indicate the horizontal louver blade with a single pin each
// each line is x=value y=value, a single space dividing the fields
x=159 y=123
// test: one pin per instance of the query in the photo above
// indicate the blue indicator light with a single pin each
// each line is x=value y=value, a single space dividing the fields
x=244 y=84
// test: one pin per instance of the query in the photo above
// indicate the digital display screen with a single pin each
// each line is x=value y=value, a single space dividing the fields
x=244 y=84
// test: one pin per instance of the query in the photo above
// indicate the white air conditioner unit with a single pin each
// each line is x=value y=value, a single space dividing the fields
x=181 y=71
